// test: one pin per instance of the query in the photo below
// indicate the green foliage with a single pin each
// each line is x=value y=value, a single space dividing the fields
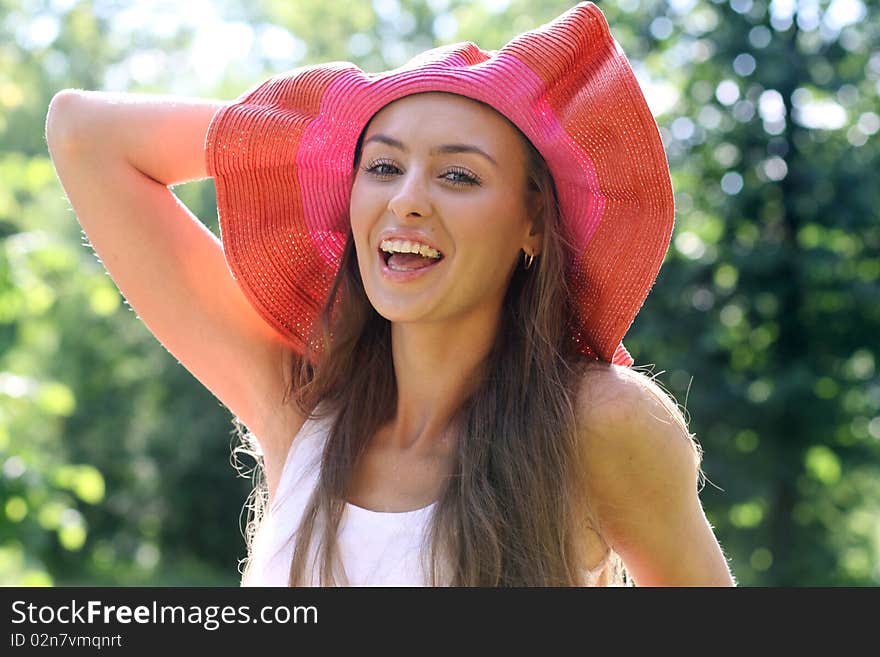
x=115 y=462
x=769 y=299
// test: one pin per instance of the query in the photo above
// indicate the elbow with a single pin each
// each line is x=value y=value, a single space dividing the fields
x=61 y=120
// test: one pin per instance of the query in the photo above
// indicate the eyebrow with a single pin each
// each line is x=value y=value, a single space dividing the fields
x=445 y=148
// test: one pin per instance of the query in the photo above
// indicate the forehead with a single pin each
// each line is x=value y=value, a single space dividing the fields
x=444 y=117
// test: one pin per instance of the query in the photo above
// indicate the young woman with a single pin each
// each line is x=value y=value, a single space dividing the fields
x=416 y=308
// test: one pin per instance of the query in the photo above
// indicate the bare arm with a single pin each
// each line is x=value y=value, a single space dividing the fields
x=116 y=155
x=642 y=470
x=162 y=137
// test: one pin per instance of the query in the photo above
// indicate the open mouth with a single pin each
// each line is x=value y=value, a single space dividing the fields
x=396 y=261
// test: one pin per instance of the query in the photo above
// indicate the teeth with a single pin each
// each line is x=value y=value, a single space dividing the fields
x=405 y=246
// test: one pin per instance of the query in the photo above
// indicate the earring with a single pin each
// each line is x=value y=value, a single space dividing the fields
x=528 y=259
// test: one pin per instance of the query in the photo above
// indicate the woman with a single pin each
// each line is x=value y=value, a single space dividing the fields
x=417 y=307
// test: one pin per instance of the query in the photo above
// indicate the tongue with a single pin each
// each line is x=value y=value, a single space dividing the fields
x=409 y=261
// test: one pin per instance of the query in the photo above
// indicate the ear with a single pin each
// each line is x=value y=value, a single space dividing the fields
x=534 y=244
x=534 y=240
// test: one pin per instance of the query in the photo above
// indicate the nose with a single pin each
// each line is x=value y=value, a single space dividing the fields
x=411 y=197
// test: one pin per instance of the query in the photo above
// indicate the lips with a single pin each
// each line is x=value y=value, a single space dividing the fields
x=407 y=274
x=407 y=235
x=385 y=255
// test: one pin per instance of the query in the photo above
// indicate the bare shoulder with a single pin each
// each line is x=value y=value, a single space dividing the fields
x=623 y=413
x=641 y=467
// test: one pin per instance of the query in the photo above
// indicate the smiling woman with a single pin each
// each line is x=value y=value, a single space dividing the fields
x=467 y=200
x=443 y=259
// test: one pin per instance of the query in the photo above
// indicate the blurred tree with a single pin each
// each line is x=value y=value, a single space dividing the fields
x=770 y=298
x=109 y=449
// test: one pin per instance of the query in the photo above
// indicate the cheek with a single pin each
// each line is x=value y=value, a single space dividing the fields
x=492 y=223
x=360 y=216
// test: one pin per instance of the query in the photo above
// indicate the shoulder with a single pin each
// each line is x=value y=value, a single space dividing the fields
x=641 y=467
x=624 y=417
x=639 y=462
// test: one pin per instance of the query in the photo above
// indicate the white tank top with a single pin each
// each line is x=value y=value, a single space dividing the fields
x=375 y=548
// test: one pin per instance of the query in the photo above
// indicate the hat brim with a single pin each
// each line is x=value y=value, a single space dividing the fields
x=282 y=158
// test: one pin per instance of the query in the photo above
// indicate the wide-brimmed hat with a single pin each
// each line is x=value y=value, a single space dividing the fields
x=282 y=158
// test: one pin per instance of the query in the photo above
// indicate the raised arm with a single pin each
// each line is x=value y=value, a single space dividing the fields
x=161 y=137
x=116 y=155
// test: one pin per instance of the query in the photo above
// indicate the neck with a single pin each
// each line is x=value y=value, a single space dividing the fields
x=437 y=366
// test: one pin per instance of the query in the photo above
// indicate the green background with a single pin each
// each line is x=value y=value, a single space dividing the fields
x=116 y=466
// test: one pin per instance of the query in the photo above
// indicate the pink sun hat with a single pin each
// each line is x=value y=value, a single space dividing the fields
x=282 y=158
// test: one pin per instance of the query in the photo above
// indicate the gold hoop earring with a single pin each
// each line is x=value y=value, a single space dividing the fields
x=528 y=259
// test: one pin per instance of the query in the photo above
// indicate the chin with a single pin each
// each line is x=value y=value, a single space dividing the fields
x=398 y=305
x=396 y=313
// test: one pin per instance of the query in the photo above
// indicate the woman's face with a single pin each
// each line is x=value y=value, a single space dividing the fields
x=450 y=173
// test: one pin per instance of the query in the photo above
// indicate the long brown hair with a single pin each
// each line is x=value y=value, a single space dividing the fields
x=513 y=512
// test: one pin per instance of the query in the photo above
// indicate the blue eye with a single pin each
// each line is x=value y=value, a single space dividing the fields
x=454 y=176
x=462 y=177
x=380 y=168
